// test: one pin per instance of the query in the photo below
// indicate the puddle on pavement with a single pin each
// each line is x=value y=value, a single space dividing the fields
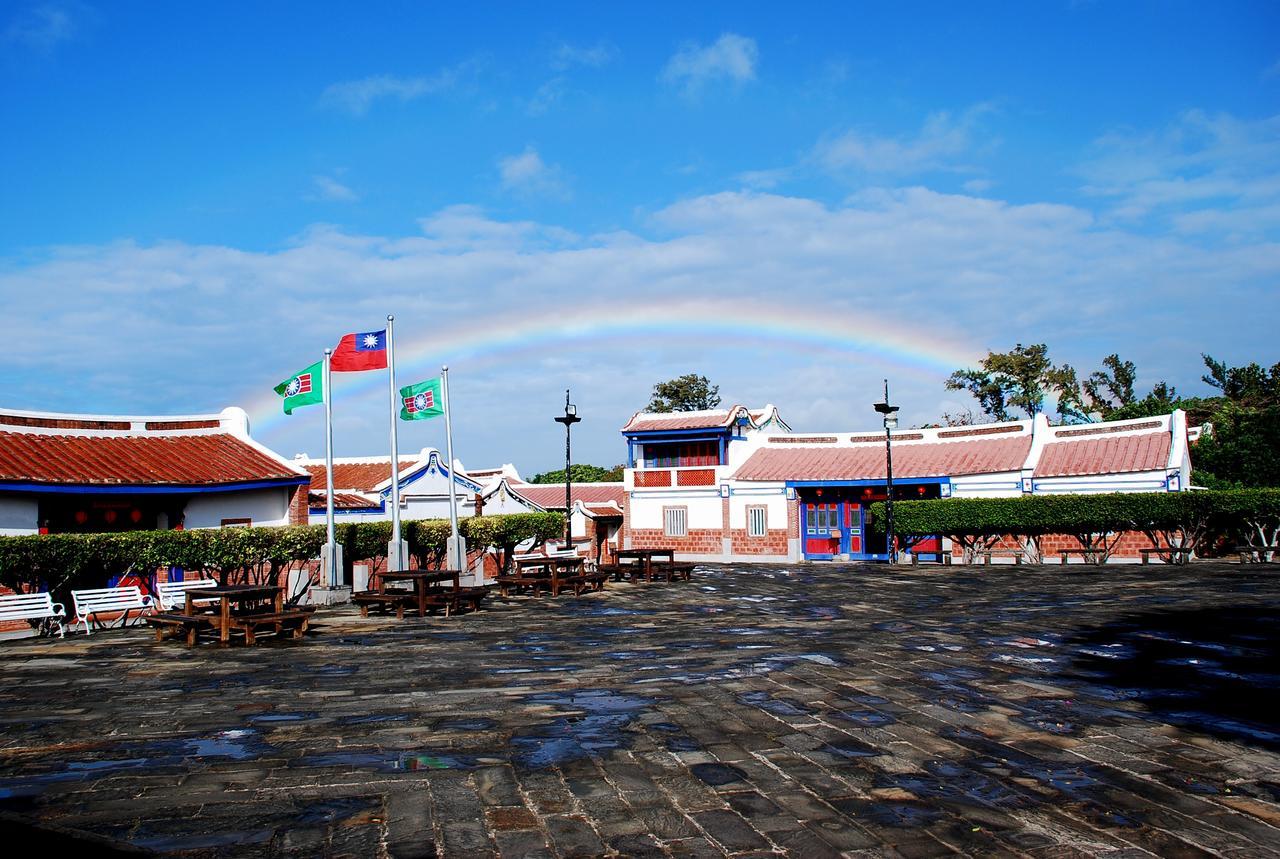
x=602 y=727
x=776 y=706
x=718 y=774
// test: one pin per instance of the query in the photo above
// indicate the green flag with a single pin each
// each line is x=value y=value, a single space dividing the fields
x=421 y=401
x=303 y=388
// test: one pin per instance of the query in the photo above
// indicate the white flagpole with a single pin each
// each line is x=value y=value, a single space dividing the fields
x=396 y=559
x=457 y=552
x=332 y=552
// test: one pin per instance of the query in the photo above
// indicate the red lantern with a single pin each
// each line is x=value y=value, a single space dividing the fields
x=136 y=515
x=110 y=516
x=919 y=491
x=82 y=516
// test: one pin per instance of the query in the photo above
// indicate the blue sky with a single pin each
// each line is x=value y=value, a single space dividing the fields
x=197 y=200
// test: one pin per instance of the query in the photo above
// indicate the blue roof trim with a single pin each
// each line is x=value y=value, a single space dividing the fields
x=897 y=480
x=679 y=435
x=168 y=489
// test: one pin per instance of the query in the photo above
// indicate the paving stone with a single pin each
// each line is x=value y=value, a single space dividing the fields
x=790 y=711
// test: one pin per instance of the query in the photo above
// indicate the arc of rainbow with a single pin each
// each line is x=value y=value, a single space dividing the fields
x=492 y=341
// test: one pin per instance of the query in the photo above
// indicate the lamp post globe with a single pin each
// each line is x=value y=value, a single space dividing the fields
x=890 y=414
x=569 y=418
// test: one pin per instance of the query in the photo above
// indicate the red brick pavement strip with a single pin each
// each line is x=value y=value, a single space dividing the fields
x=803 y=711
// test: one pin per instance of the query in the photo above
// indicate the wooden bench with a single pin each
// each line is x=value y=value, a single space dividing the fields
x=295 y=620
x=1184 y=554
x=1100 y=554
x=38 y=606
x=108 y=601
x=398 y=600
x=585 y=582
x=944 y=557
x=1257 y=554
x=508 y=583
x=470 y=598
x=173 y=595
x=1017 y=554
x=173 y=624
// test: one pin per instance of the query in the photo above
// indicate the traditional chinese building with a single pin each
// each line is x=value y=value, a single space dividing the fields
x=64 y=473
x=738 y=484
x=362 y=487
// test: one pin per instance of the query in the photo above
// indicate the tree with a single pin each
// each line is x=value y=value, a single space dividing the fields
x=688 y=393
x=1013 y=379
x=581 y=473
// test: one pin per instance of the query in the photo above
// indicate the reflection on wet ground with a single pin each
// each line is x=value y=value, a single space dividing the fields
x=813 y=711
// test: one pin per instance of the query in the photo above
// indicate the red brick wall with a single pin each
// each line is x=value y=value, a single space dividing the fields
x=701 y=541
x=773 y=543
x=298 y=504
x=1126 y=545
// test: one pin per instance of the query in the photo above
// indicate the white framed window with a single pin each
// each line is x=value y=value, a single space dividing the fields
x=675 y=521
x=757 y=521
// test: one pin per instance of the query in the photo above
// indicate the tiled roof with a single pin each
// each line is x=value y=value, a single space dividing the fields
x=341 y=501
x=1103 y=455
x=943 y=459
x=362 y=476
x=551 y=495
x=707 y=419
x=602 y=510
x=139 y=460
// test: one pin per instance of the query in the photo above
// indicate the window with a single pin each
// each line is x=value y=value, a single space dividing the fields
x=682 y=454
x=757 y=521
x=675 y=521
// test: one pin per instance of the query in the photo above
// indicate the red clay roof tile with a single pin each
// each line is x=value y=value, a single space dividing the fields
x=1103 y=455
x=551 y=495
x=942 y=459
x=211 y=459
x=362 y=476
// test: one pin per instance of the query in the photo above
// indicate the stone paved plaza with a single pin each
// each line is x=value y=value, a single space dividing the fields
x=806 y=711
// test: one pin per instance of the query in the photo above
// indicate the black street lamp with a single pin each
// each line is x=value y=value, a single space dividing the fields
x=570 y=418
x=890 y=423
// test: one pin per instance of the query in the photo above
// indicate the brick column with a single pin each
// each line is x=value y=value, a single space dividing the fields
x=298 y=508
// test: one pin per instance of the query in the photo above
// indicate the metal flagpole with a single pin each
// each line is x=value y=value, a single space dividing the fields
x=332 y=552
x=457 y=553
x=396 y=549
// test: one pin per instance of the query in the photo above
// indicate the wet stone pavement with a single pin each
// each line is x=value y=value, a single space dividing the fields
x=805 y=711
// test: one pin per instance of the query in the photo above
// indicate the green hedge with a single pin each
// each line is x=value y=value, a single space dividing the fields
x=61 y=562
x=1189 y=520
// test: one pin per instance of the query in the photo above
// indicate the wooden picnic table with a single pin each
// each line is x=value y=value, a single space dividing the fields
x=422 y=580
x=248 y=599
x=646 y=556
x=556 y=568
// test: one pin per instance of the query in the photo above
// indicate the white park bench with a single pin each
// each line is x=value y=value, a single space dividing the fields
x=173 y=595
x=108 y=601
x=33 y=607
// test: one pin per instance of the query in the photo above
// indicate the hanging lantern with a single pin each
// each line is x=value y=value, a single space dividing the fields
x=135 y=515
x=110 y=516
x=82 y=516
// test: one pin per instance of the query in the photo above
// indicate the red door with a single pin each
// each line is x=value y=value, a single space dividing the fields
x=853 y=527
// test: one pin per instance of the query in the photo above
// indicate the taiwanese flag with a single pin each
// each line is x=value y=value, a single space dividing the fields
x=363 y=351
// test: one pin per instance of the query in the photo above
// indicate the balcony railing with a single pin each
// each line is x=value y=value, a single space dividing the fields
x=653 y=477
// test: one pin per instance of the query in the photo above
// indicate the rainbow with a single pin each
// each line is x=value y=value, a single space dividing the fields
x=507 y=339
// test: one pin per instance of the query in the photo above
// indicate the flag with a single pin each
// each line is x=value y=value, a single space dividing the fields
x=303 y=388
x=366 y=350
x=421 y=401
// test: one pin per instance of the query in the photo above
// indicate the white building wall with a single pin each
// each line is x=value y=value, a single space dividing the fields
x=18 y=516
x=703 y=505
x=771 y=496
x=1143 y=481
x=1001 y=485
x=262 y=506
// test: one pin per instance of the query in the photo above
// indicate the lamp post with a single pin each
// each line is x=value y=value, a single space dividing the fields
x=890 y=423
x=570 y=418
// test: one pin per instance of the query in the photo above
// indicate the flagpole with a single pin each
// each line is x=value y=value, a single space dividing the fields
x=332 y=552
x=457 y=552
x=396 y=550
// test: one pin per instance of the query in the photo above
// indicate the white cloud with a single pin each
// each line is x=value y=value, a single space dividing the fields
x=730 y=58
x=328 y=188
x=356 y=97
x=197 y=327
x=1202 y=172
x=941 y=143
x=527 y=174
x=566 y=56
x=44 y=26
x=546 y=97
